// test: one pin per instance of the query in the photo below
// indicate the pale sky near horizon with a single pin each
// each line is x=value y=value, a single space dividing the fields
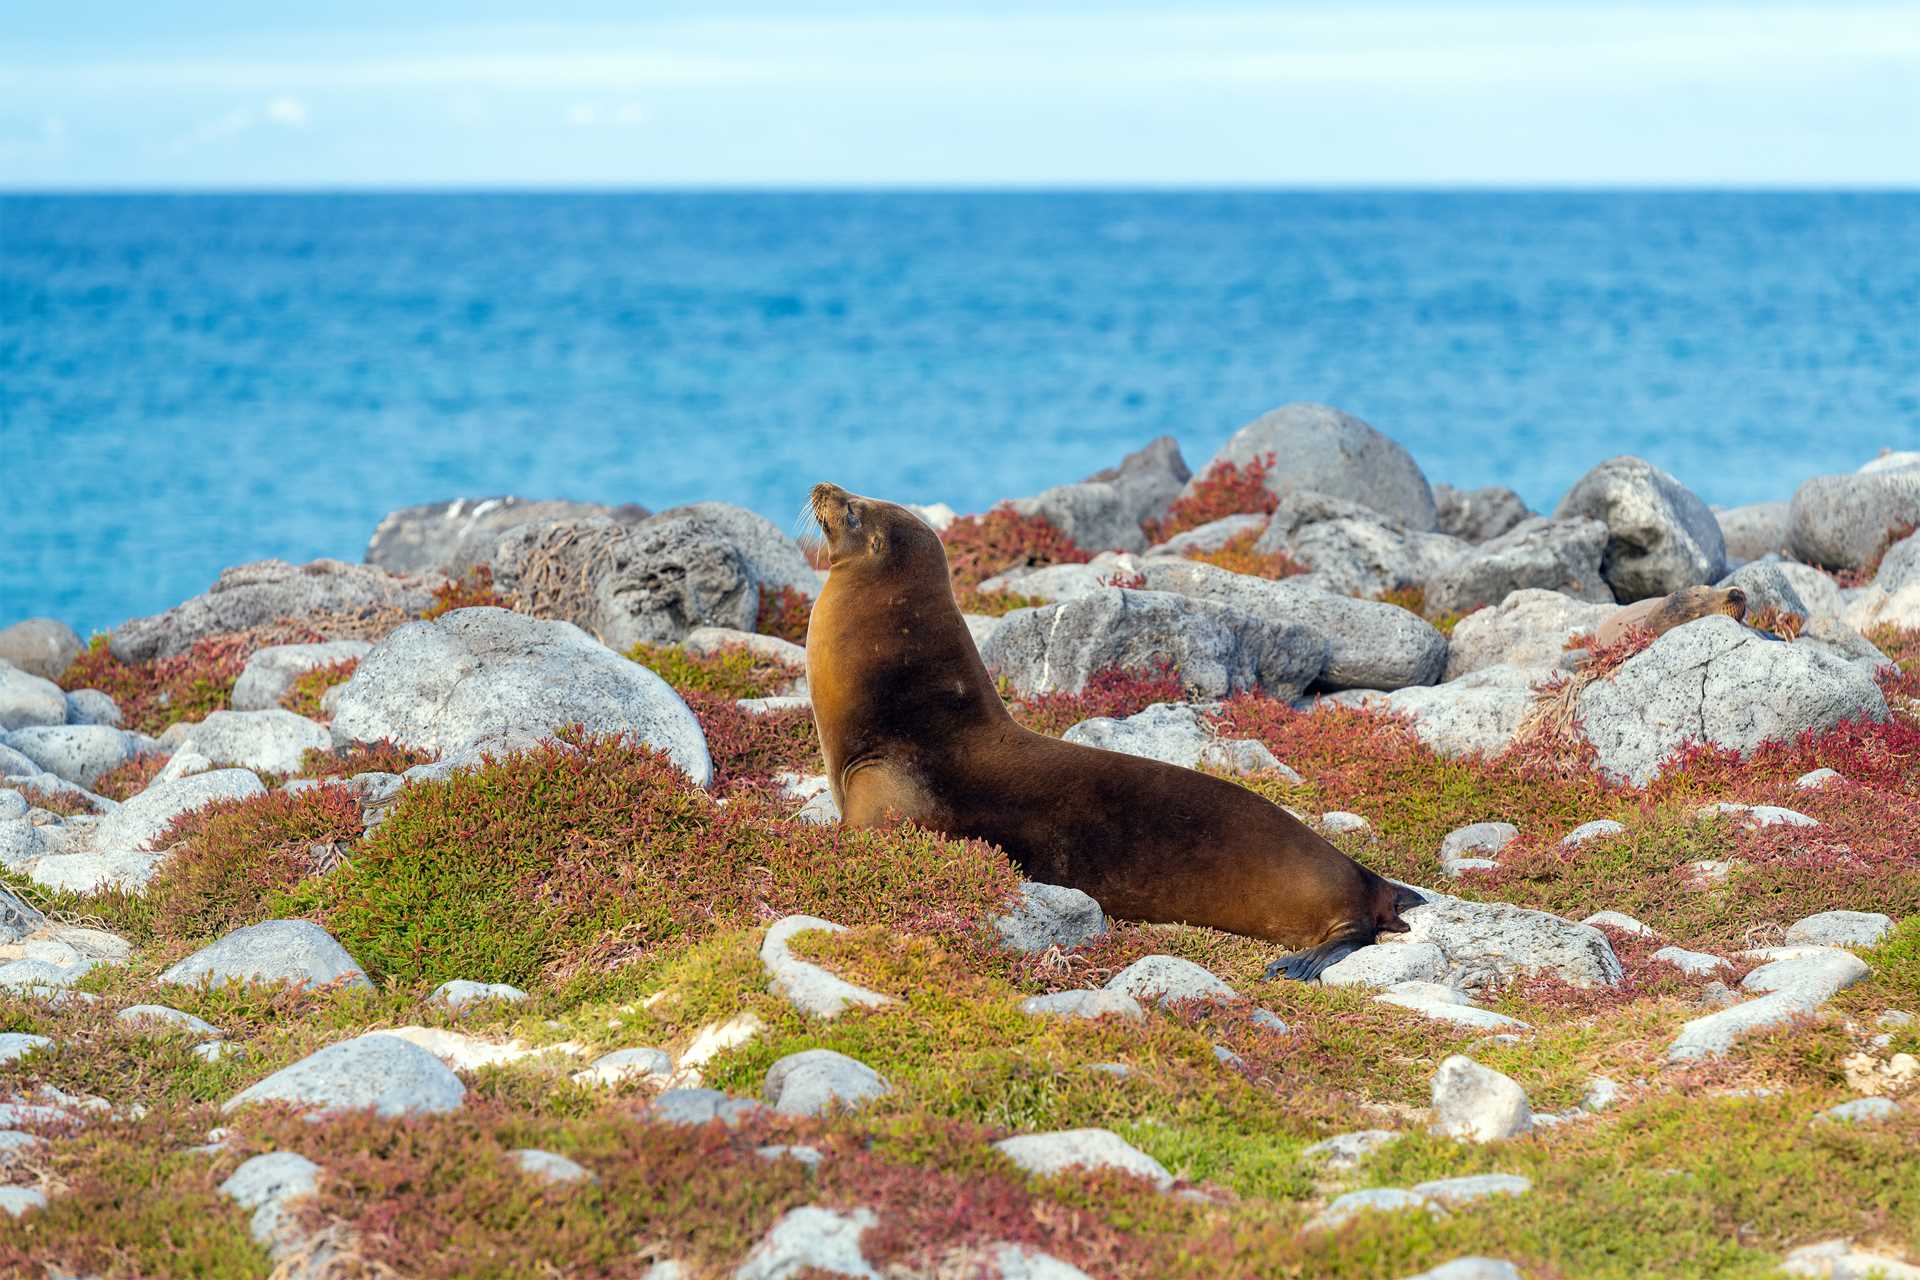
x=225 y=94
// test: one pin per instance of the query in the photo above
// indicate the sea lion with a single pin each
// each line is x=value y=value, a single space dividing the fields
x=912 y=727
x=1662 y=614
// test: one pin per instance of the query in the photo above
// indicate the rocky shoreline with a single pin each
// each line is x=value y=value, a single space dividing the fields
x=506 y=851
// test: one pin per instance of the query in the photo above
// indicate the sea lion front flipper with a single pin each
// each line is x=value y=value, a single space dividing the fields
x=878 y=793
x=1305 y=966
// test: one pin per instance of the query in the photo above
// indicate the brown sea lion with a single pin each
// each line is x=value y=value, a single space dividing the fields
x=1662 y=614
x=912 y=727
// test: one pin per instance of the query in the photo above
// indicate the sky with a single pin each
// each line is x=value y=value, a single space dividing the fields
x=181 y=94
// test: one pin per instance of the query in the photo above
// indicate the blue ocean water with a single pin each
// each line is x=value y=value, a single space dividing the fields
x=189 y=382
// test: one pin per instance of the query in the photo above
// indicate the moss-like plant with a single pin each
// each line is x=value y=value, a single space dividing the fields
x=732 y=672
x=1227 y=489
x=502 y=872
x=1236 y=555
x=783 y=613
x=304 y=696
x=472 y=590
x=983 y=546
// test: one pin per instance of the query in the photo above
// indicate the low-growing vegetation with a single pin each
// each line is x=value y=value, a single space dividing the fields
x=306 y=696
x=1226 y=489
x=983 y=546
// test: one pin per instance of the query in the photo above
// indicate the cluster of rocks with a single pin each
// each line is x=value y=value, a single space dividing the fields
x=1355 y=510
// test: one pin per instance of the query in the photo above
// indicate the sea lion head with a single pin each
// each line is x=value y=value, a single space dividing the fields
x=1689 y=603
x=1735 y=604
x=869 y=532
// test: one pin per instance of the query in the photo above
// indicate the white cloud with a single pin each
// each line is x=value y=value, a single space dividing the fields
x=288 y=111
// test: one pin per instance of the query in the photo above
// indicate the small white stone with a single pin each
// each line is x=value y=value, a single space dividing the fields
x=1047 y=1154
x=1371 y=1200
x=1477 y=1103
x=1595 y=830
x=1339 y=822
x=1817 y=779
x=1695 y=963
x=1619 y=920
x=1458 y=1191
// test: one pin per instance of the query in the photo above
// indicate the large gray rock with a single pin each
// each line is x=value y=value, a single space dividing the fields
x=1843 y=522
x=1840 y=1260
x=267 y=1184
x=811 y=988
x=251 y=595
x=1715 y=681
x=1759 y=529
x=271 y=671
x=1477 y=515
x=1049 y=915
x=77 y=752
x=1210 y=536
x=1046 y=1154
x=272 y=951
x=43 y=647
x=1370 y=645
x=1164 y=979
x=1660 y=536
x=1104 y=511
x=1084 y=1004
x=1477 y=1103
x=1353 y=549
x=650 y=583
x=1490 y=943
x=392 y=1076
x=1475 y=715
x=1900 y=567
x=775 y=559
x=29 y=700
x=480 y=676
x=1783 y=990
x=1321 y=448
x=1528 y=629
x=1893 y=598
x=1841 y=929
x=90 y=706
x=1216 y=649
x=270 y=741
x=1552 y=555
x=141 y=821
x=453 y=537
x=812 y=1240
x=1766 y=587
x=1172 y=732
x=814 y=1081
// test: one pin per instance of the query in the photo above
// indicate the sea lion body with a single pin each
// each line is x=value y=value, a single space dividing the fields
x=1664 y=613
x=912 y=727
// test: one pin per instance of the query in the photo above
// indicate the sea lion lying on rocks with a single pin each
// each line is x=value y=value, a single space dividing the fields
x=913 y=727
x=1663 y=613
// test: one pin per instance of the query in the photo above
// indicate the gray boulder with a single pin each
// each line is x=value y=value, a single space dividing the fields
x=1321 y=448
x=1353 y=549
x=1553 y=555
x=703 y=1106
x=1370 y=645
x=252 y=595
x=1210 y=536
x=775 y=559
x=267 y=1184
x=1784 y=990
x=272 y=951
x=1104 y=511
x=1477 y=1103
x=1766 y=587
x=649 y=583
x=1495 y=942
x=1528 y=629
x=1841 y=929
x=1216 y=649
x=453 y=537
x=1759 y=529
x=270 y=741
x=1172 y=732
x=1900 y=567
x=1046 y=1154
x=43 y=647
x=77 y=752
x=1084 y=1004
x=1049 y=915
x=29 y=700
x=393 y=1077
x=1718 y=682
x=1164 y=979
x=813 y=1241
x=271 y=671
x=1474 y=846
x=1477 y=515
x=90 y=706
x=144 y=819
x=1843 y=522
x=815 y=1081
x=1387 y=966
x=480 y=676
x=1477 y=714
x=18 y=918
x=1660 y=536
